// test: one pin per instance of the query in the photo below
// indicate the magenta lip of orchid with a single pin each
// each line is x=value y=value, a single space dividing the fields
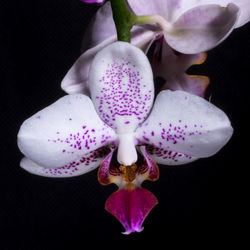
x=77 y=134
x=131 y=203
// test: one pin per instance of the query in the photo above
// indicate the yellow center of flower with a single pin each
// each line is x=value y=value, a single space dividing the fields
x=128 y=173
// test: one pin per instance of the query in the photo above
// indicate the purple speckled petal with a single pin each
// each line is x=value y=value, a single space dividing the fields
x=185 y=123
x=202 y=28
x=80 y=166
x=131 y=207
x=76 y=80
x=64 y=132
x=171 y=67
x=121 y=86
x=168 y=157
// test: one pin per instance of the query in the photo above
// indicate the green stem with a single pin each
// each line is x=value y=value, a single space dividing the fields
x=122 y=18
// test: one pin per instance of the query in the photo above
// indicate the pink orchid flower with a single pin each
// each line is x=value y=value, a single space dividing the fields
x=193 y=26
x=77 y=134
x=196 y=26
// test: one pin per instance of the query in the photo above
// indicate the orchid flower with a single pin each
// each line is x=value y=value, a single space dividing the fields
x=189 y=26
x=76 y=134
x=207 y=13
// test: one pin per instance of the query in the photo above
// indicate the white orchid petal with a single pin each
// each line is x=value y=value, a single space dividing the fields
x=121 y=86
x=80 y=166
x=186 y=124
x=202 y=28
x=63 y=132
x=101 y=27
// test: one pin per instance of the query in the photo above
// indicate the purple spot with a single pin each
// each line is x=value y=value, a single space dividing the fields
x=121 y=93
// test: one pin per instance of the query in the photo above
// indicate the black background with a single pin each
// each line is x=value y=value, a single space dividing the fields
x=39 y=41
